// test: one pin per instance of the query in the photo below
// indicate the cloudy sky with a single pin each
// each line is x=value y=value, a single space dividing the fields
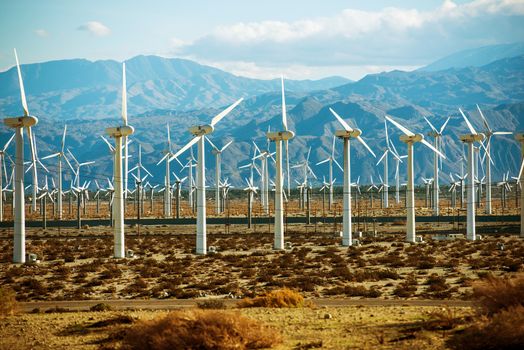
x=302 y=39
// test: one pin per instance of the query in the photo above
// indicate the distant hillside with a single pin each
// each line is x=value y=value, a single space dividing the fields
x=79 y=88
x=476 y=57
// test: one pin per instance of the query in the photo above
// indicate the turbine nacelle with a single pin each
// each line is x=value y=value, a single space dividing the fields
x=280 y=135
x=120 y=131
x=346 y=134
x=21 y=122
x=411 y=138
x=200 y=130
x=520 y=137
x=472 y=137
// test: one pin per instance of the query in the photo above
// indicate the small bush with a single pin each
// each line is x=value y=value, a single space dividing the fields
x=100 y=307
x=276 y=298
x=496 y=294
x=200 y=329
x=212 y=304
x=505 y=330
x=8 y=303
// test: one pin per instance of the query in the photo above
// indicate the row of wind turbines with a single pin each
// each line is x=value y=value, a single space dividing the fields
x=281 y=138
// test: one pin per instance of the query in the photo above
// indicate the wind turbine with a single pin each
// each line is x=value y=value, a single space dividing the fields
x=398 y=160
x=306 y=169
x=437 y=134
x=4 y=171
x=18 y=123
x=139 y=180
x=251 y=191
x=78 y=166
x=264 y=170
x=346 y=134
x=385 y=182
x=59 y=156
x=331 y=159
x=178 y=182
x=489 y=133
x=199 y=132
x=410 y=138
x=120 y=134
x=218 y=167
x=279 y=136
x=168 y=154
x=469 y=139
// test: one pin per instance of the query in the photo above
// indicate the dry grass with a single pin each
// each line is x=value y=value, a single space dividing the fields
x=505 y=330
x=8 y=303
x=201 y=329
x=279 y=298
x=496 y=294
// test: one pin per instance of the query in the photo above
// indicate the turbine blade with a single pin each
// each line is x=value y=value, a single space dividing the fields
x=333 y=147
x=470 y=127
x=227 y=145
x=211 y=143
x=484 y=120
x=63 y=138
x=342 y=121
x=225 y=112
x=444 y=125
x=8 y=142
x=400 y=127
x=22 y=90
x=383 y=155
x=337 y=163
x=124 y=94
x=284 y=115
x=323 y=161
x=502 y=133
x=366 y=145
x=430 y=146
x=188 y=145
x=430 y=125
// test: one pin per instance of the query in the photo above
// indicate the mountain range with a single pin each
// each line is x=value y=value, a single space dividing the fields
x=86 y=96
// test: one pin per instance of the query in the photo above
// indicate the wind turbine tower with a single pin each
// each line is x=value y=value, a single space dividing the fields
x=278 y=137
x=469 y=139
x=199 y=132
x=410 y=138
x=18 y=123
x=346 y=134
x=120 y=134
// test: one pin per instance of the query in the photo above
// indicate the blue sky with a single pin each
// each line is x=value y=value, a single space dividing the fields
x=302 y=39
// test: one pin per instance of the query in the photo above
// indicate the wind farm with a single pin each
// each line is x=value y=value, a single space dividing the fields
x=382 y=210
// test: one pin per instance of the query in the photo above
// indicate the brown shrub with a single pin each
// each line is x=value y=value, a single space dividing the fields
x=277 y=298
x=505 y=330
x=8 y=303
x=200 y=329
x=496 y=294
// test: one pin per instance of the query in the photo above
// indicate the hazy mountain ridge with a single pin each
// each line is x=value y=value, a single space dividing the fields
x=80 y=88
x=476 y=57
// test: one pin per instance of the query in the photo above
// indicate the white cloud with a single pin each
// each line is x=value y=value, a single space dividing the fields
x=390 y=37
x=95 y=28
x=41 y=33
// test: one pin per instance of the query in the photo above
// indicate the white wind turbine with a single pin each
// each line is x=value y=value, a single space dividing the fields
x=489 y=133
x=469 y=139
x=3 y=170
x=59 y=156
x=304 y=185
x=139 y=189
x=18 y=123
x=168 y=154
x=385 y=182
x=331 y=159
x=119 y=133
x=199 y=131
x=437 y=134
x=218 y=167
x=279 y=136
x=398 y=160
x=346 y=134
x=124 y=137
x=410 y=138
x=264 y=170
